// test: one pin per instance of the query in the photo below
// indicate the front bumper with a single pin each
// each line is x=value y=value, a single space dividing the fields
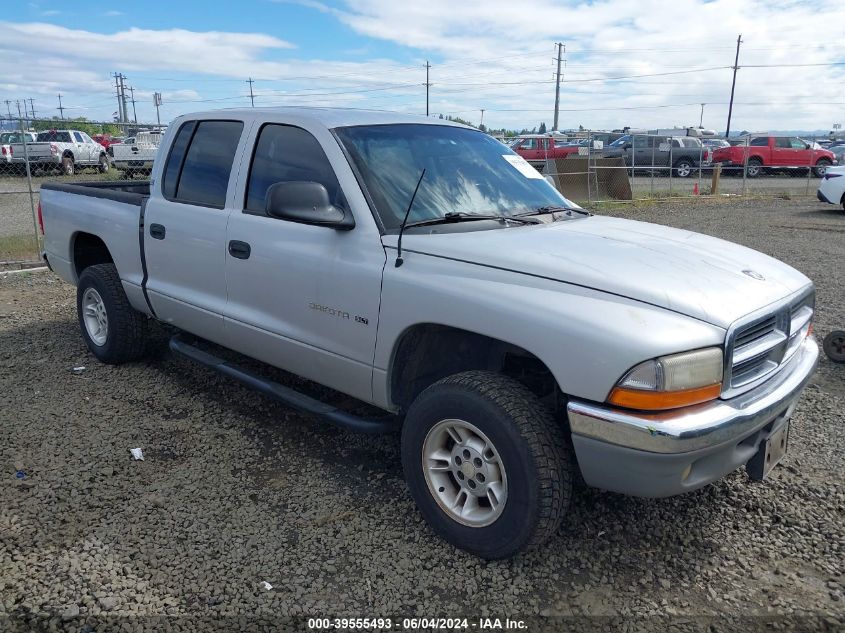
x=670 y=452
x=822 y=197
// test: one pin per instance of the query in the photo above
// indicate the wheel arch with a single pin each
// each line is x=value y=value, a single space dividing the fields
x=427 y=352
x=68 y=154
x=87 y=250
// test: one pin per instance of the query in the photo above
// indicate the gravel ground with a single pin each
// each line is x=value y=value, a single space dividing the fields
x=236 y=490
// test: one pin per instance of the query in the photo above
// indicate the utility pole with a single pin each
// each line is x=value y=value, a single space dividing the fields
x=134 y=113
x=8 y=107
x=250 y=81
x=560 y=48
x=427 y=85
x=31 y=107
x=61 y=109
x=157 y=103
x=117 y=91
x=18 y=103
x=123 y=98
x=701 y=118
x=25 y=111
x=733 y=85
x=482 y=118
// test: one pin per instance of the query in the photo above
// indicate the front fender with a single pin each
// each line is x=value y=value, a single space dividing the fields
x=587 y=338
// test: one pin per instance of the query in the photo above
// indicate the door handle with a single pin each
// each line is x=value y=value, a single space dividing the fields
x=157 y=231
x=239 y=249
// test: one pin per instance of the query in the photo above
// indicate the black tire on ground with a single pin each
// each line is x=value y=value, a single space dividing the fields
x=834 y=346
x=754 y=168
x=821 y=167
x=683 y=168
x=126 y=339
x=104 y=164
x=531 y=446
x=67 y=166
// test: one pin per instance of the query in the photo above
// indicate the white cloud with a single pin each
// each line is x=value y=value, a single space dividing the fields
x=604 y=39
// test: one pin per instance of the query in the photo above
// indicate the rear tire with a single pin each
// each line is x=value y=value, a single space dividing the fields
x=68 y=166
x=505 y=435
x=753 y=168
x=103 y=165
x=112 y=329
x=683 y=168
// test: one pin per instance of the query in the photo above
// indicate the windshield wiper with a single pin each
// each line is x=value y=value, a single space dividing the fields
x=461 y=216
x=552 y=209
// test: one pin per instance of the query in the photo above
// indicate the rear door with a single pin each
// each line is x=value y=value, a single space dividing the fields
x=782 y=152
x=185 y=226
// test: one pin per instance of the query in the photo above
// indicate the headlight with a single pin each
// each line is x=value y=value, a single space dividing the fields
x=672 y=381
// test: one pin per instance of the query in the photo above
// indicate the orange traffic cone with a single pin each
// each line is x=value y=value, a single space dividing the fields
x=695 y=189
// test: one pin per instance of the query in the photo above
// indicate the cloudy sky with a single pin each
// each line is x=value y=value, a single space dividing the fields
x=645 y=64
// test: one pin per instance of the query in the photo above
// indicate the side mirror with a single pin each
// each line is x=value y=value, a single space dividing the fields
x=305 y=202
x=806 y=146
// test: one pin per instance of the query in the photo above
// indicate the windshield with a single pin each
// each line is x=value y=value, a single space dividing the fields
x=620 y=141
x=466 y=172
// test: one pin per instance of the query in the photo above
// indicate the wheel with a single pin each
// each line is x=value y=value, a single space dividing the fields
x=67 y=166
x=103 y=165
x=486 y=464
x=112 y=329
x=754 y=167
x=683 y=168
x=821 y=167
x=834 y=346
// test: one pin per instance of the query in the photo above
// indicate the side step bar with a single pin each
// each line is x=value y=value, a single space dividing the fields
x=284 y=394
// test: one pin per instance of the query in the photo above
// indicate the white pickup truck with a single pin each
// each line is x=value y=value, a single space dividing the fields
x=424 y=268
x=137 y=156
x=7 y=139
x=66 y=150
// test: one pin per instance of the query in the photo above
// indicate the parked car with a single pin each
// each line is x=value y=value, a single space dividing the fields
x=104 y=139
x=832 y=186
x=760 y=153
x=421 y=267
x=137 y=156
x=683 y=153
x=537 y=148
x=838 y=150
x=714 y=143
x=64 y=149
x=7 y=139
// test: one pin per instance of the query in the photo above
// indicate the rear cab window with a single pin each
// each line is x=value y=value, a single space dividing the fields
x=200 y=162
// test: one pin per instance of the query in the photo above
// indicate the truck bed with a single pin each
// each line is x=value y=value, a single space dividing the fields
x=112 y=211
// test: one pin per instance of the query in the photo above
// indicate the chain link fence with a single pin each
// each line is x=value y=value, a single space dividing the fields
x=34 y=151
x=585 y=167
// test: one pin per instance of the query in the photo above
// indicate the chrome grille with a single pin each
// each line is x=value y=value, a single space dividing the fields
x=757 y=348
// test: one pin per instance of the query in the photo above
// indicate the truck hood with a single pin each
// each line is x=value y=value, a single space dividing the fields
x=690 y=273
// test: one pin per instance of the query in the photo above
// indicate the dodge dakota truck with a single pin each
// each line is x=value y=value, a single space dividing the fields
x=65 y=150
x=424 y=268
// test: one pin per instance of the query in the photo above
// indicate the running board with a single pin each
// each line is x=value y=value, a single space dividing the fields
x=284 y=394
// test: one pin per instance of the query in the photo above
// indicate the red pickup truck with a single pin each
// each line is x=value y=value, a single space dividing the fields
x=536 y=148
x=774 y=152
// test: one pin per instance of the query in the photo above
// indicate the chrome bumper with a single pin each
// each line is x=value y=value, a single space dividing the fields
x=702 y=426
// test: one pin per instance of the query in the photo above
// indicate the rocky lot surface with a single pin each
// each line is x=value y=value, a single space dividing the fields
x=236 y=490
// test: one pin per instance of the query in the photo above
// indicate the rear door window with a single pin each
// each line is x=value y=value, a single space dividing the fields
x=200 y=162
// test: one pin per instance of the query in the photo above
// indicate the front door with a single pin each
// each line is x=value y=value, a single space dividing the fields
x=304 y=298
x=185 y=228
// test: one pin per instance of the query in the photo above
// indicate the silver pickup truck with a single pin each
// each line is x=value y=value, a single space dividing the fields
x=424 y=268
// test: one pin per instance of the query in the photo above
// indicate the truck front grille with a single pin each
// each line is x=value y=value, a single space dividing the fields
x=758 y=348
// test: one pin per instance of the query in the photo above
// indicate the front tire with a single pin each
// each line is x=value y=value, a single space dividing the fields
x=834 y=346
x=112 y=329
x=486 y=464
x=821 y=168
